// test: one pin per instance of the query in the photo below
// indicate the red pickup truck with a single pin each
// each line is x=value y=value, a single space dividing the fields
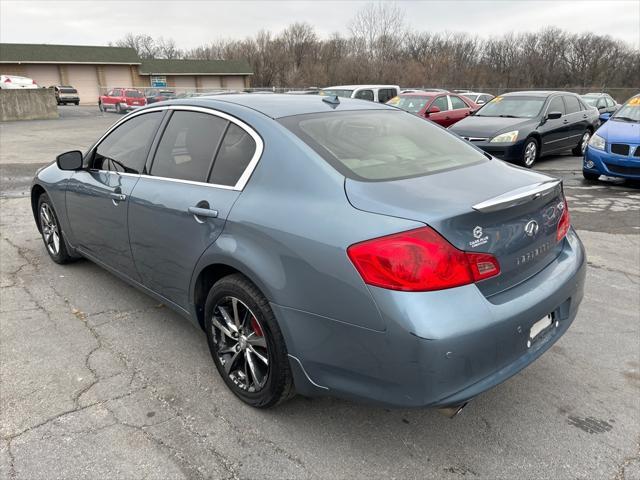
x=122 y=100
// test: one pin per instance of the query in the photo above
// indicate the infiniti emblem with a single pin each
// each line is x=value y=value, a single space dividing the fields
x=531 y=228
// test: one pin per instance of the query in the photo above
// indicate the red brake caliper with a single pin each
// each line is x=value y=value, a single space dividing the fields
x=256 y=327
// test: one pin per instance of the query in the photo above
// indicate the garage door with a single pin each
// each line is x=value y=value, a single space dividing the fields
x=44 y=75
x=235 y=83
x=210 y=82
x=117 y=76
x=85 y=79
x=184 y=83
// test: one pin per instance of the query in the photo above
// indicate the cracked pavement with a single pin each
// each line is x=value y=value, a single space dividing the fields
x=97 y=380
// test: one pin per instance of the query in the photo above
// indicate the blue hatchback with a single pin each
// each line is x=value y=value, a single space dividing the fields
x=614 y=150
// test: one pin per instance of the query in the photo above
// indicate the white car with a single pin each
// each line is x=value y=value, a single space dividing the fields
x=478 y=98
x=14 y=82
x=374 y=93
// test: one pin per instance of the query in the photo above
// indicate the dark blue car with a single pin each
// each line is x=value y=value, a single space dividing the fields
x=614 y=150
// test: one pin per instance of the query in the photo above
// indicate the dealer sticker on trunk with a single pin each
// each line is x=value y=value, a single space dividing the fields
x=480 y=238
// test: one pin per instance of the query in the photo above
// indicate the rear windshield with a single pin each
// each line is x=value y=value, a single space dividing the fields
x=133 y=94
x=68 y=90
x=337 y=92
x=382 y=145
x=412 y=104
x=512 y=106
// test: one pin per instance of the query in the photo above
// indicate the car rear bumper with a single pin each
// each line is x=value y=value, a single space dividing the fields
x=612 y=165
x=439 y=348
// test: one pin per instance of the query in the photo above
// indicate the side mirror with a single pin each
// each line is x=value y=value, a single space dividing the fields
x=554 y=115
x=604 y=117
x=433 y=109
x=70 y=160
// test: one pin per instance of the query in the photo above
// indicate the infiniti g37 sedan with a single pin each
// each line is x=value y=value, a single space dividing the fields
x=326 y=246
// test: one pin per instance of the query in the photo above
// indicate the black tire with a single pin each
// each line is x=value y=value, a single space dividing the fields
x=579 y=149
x=592 y=177
x=276 y=385
x=76 y=103
x=50 y=229
x=530 y=153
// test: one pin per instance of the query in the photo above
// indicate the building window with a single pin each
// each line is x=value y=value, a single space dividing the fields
x=158 y=81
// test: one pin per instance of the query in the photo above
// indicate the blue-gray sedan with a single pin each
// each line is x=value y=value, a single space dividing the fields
x=326 y=246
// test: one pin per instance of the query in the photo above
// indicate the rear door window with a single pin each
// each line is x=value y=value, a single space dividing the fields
x=365 y=95
x=386 y=94
x=457 y=102
x=572 y=104
x=126 y=148
x=236 y=151
x=188 y=145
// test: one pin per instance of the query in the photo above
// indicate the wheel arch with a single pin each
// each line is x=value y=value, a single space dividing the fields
x=36 y=191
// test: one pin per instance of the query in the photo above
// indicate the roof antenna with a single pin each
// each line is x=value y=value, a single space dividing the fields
x=332 y=100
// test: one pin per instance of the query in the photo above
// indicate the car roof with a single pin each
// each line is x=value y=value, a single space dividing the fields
x=282 y=105
x=536 y=93
x=422 y=94
x=352 y=87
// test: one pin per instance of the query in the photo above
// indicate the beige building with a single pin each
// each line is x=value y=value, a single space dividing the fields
x=92 y=70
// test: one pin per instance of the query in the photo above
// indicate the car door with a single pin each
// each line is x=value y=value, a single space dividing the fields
x=577 y=120
x=554 y=132
x=179 y=209
x=97 y=197
x=459 y=109
x=112 y=97
x=442 y=117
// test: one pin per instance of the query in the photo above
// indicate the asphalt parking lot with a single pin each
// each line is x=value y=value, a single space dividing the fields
x=99 y=381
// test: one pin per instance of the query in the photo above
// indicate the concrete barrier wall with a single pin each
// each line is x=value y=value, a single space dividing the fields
x=27 y=104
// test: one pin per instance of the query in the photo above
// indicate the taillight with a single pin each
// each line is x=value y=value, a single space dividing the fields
x=419 y=260
x=564 y=223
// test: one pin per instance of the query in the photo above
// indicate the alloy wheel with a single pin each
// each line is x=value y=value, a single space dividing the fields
x=50 y=229
x=584 y=142
x=530 y=153
x=240 y=344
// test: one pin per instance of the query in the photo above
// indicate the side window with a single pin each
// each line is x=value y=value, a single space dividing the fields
x=610 y=102
x=386 y=94
x=484 y=98
x=556 y=105
x=601 y=103
x=116 y=93
x=572 y=104
x=235 y=153
x=457 y=102
x=126 y=148
x=110 y=93
x=441 y=103
x=188 y=144
x=365 y=95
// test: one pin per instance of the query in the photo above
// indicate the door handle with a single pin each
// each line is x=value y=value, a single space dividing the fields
x=565 y=121
x=119 y=197
x=203 y=212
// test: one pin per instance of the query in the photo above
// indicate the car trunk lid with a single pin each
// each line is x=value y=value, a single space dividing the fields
x=493 y=207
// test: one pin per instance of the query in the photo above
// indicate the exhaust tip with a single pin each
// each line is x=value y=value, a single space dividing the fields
x=453 y=410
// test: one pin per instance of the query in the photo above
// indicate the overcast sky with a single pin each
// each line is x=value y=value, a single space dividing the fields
x=193 y=23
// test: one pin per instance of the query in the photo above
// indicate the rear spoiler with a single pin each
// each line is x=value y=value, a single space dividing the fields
x=518 y=196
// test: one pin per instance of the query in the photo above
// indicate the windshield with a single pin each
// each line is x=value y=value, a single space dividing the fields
x=382 y=144
x=470 y=96
x=337 y=91
x=68 y=90
x=411 y=104
x=133 y=94
x=629 y=112
x=512 y=106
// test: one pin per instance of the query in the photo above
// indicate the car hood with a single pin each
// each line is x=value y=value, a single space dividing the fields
x=488 y=127
x=620 y=132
